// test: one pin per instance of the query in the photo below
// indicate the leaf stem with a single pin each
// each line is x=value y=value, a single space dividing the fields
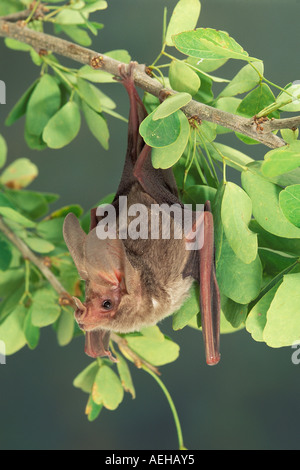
x=172 y=406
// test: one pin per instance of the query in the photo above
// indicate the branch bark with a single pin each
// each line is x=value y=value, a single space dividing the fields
x=41 y=41
x=64 y=297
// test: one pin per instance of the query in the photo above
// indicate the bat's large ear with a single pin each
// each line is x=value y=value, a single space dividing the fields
x=131 y=277
x=75 y=239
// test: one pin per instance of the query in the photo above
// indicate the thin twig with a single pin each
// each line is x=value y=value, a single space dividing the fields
x=83 y=55
x=286 y=123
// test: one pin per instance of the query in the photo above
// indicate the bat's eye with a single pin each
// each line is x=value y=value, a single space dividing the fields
x=107 y=304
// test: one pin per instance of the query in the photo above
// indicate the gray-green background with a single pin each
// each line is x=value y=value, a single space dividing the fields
x=250 y=400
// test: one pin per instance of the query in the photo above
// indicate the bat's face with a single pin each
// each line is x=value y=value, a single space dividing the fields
x=112 y=284
x=99 y=308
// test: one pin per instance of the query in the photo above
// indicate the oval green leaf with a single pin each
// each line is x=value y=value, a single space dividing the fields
x=246 y=79
x=183 y=78
x=3 y=151
x=43 y=103
x=236 y=214
x=11 y=330
x=283 y=316
x=45 y=309
x=184 y=18
x=166 y=157
x=162 y=132
x=63 y=127
x=97 y=125
x=107 y=388
x=266 y=208
x=282 y=160
x=170 y=105
x=239 y=281
x=207 y=43
x=289 y=201
x=19 y=174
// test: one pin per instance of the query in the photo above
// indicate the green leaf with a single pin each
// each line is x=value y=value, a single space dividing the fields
x=199 y=194
x=92 y=409
x=96 y=76
x=32 y=333
x=16 y=217
x=218 y=226
x=125 y=375
x=165 y=157
x=63 y=127
x=90 y=94
x=171 y=104
x=294 y=101
x=107 y=388
x=19 y=174
x=162 y=132
x=11 y=330
x=76 y=209
x=207 y=43
x=289 y=201
x=44 y=309
x=183 y=78
x=97 y=125
x=51 y=230
x=65 y=328
x=273 y=242
x=10 y=6
x=236 y=214
x=86 y=378
x=289 y=135
x=10 y=281
x=43 y=103
x=184 y=18
x=3 y=151
x=33 y=204
x=266 y=208
x=207 y=65
x=283 y=316
x=239 y=281
x=5 y=255
x=156 y=352
x=77 y=34
x=282 y=160
x=11 y=301
x=234 y=313
x=119 y=54
x=94 y=6
x=258 y=99
x=188 y=310
x=39 y=245
x=70 y=17
x=246 y=79
x=257 y=318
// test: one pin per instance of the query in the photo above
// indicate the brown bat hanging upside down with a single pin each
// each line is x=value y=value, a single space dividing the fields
x=135 y=283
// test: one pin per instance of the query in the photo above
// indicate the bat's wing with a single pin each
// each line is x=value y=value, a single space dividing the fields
x=201 y=266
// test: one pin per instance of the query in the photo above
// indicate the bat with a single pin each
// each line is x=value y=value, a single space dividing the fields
x=135 y=282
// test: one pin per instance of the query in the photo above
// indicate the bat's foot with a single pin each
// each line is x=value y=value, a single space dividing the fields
x=126 y=72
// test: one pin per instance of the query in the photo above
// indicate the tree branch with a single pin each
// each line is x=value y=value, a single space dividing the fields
x=83 y=55
x=64 y=297
x=287 y=123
